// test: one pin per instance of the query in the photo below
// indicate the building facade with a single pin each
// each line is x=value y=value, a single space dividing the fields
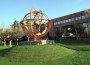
x=73 y=25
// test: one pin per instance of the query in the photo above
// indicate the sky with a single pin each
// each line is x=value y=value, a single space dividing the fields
x=11 y=10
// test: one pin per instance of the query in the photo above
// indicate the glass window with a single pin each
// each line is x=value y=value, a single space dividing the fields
x=64 y=21
x=88 y=25
x=54 y=23
x=83 y=17
x=80 y=17
x=72 y=19
x=58 y=22
x=61 y=21
x=77 y=18
x=69 y=20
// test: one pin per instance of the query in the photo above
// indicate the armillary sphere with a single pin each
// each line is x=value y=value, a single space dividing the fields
x=36 y=24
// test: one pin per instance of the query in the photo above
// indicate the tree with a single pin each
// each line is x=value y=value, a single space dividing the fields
x=59 y=31
x=3 y=38
x=17 y=33
x=6 y=36
x=87 y=13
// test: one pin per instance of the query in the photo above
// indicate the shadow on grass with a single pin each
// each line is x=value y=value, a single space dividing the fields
x=75 y=44
x=4 y=52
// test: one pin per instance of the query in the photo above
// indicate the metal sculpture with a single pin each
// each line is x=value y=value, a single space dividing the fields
x=36 y=24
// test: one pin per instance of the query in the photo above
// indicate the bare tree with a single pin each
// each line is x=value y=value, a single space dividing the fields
x=18 y=33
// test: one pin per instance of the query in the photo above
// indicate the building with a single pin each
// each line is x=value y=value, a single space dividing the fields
x=73 y=25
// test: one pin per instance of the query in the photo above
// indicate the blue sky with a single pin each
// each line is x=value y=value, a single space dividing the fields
x=11 y=10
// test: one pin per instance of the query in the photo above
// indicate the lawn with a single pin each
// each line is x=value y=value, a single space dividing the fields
x=61 y=53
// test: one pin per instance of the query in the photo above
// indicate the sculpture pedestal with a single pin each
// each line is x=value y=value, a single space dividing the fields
x=39 y=42
x=43 y=42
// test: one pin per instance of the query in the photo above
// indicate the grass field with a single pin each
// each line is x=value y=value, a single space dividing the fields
x=61 y=53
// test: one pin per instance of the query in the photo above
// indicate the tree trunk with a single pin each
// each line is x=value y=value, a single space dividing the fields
x=10 y=43
x=28 y=39
x=17 y=41
x=5 y=43
x=76 y=34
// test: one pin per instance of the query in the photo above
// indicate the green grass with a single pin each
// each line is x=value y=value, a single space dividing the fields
x=63 y=53
x=75 y=44
x=78 y=58
x=34 y=54
x=3 y=47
